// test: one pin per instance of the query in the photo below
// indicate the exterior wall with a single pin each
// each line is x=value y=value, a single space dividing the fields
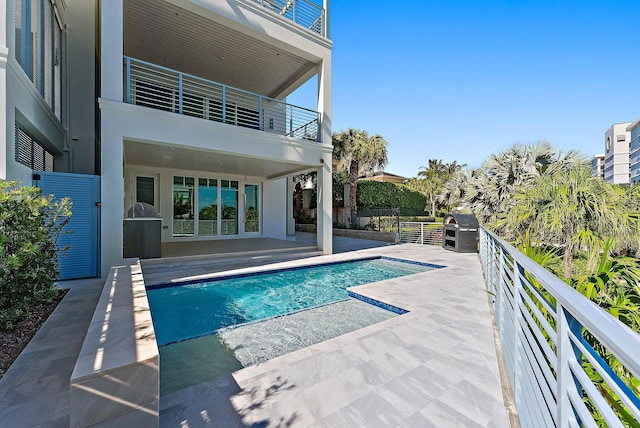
x=616 y=162
x=23 y=104
x=274 y=224
x=634 y=135
x=597 y=165
x=80 y=157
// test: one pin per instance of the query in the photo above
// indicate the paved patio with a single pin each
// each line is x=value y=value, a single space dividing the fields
x=435 y=366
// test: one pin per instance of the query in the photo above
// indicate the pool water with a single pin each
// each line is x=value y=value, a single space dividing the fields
x=193 y=310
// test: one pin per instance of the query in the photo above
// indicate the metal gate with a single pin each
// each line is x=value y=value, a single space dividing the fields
x=82 y=259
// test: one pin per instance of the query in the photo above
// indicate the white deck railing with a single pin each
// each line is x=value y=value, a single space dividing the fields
x=303 y=12
x=414 y=232
x=551 y=337
x=158 y=87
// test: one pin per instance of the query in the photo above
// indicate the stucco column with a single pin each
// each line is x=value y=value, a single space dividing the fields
x=291 y=224
x=112 y=193
x=324 y=220
x=112 y=50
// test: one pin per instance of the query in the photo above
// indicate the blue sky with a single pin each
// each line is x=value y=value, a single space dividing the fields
x=459 y=80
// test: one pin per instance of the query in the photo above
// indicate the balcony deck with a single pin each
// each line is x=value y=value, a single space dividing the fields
x=435 y=366
x=154 y=86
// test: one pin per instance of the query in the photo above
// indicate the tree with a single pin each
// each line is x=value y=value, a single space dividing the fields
x=453 y=192
x=357 y=152
x=490 y=190
x=571 y=209
x=432 y=178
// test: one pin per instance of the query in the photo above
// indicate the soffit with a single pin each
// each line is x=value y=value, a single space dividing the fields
x=165 y=34
x=181 y=158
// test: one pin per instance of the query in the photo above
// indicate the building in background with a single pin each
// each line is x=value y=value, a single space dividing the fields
x=616 y=157
x=597 y=164
x=634 y=147
x=385 y=177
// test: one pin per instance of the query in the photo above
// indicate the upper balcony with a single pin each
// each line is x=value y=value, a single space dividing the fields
x=162 y=88
x=303 y=12
x=236 y=43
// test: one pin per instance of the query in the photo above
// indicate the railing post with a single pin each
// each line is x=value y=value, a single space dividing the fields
x=565 y=352
x=291 y=121
x=421 y=233
x=260 y=114
x=517 y=316
x=295 y=3
x=224 y=103
x=180 y=93
x=319 y=122
x=128 y=79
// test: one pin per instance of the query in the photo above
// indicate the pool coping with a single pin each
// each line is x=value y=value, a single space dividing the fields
x=116 y=376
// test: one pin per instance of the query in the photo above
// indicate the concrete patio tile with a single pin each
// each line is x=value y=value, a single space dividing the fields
x=439 y=415
x=406 y=397
x=434 y=366
x=372 y=410
x=474 y=402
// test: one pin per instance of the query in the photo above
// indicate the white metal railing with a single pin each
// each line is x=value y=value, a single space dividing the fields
x=421 y=233
x=552 y=337
x=303 y=12
x=158 y=87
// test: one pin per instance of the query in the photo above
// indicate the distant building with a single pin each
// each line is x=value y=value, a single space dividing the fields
x=385 y=177
x=597 y=164
x=634 y=149
x=616 y=158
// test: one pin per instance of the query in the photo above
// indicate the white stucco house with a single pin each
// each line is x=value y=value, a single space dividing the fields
x=179 y=106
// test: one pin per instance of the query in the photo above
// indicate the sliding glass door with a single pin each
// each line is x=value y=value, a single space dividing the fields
x=251 y=208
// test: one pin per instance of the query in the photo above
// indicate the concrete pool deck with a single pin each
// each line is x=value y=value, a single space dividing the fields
x=435 y=366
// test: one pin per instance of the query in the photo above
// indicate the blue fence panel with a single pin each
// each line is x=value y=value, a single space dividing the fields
x=82 y=234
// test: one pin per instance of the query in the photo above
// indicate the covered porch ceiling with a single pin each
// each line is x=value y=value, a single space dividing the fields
x=175 y=157
x=162 y=33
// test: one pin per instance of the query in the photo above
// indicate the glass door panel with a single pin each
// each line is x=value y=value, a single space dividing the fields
x=183 y=206
x=207 y=207
x=251 y=208
x=229 y=207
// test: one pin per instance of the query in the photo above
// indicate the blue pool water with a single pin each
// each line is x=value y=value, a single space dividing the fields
x=187 y=311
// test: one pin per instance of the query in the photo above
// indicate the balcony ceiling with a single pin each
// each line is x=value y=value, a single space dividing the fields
x=163 y=156
x=162 y=33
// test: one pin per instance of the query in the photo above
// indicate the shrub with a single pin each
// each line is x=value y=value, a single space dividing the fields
x=302 y=217
x=30 y=224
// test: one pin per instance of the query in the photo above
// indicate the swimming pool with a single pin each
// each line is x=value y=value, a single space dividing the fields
x=187 y=311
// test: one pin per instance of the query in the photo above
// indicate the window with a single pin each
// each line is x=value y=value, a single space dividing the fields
x=30 y=153
x=183 y=206
x=229 y=207
x=37 y=48
x=207 y=206
x=145 y=190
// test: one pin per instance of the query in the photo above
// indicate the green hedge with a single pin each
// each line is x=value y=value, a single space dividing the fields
x=377 y=194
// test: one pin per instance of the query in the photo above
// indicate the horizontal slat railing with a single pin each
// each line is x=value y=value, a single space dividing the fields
x=427 y=233
x=550 y=336
x=154 y=86
x=303 y=12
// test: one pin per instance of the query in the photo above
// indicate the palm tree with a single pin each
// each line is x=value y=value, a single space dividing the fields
x=432 y=178
x=356 y=151
x=453 y=192
x=490 y=190
x=573 y=210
